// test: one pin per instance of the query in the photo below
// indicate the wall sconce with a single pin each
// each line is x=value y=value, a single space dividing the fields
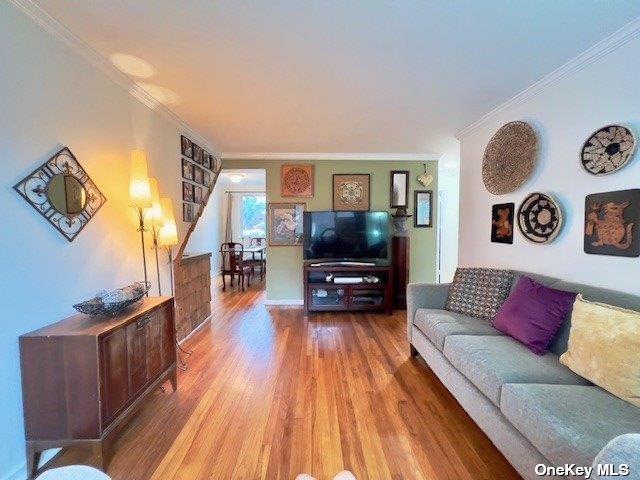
x=140 y=195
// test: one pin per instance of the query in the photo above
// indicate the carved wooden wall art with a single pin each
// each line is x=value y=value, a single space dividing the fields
x=296 y=181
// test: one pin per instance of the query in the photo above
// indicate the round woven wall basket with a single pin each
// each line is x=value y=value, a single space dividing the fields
x=509 y=158
x=539 y=218
x=607 y=150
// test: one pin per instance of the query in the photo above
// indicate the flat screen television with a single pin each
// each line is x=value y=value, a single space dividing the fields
x=346 y=235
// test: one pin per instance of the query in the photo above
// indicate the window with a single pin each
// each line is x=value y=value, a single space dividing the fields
x=254 y=216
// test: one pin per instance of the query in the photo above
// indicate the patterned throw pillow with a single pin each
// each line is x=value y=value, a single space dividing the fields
x=479 y=292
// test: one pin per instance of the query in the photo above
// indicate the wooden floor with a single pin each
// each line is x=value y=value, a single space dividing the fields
x=270 y=394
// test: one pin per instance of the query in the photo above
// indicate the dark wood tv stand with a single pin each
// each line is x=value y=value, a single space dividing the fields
x=323 y=296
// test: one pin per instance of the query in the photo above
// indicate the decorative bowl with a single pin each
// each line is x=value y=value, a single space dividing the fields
x=101 y=304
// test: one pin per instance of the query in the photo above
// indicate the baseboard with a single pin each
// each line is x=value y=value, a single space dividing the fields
x=195 y=330
x=295 y=302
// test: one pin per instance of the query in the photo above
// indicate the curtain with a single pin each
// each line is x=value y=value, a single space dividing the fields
x=228 y=231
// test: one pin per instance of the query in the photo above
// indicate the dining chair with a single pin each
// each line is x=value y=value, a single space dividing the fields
x=233 y=263
x=258 y=262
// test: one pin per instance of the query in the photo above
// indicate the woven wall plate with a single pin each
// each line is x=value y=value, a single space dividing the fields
x=539 y=218
x=607 y=150
x=509 y=158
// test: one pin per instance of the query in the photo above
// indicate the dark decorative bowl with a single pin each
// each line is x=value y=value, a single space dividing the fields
x=96 y=306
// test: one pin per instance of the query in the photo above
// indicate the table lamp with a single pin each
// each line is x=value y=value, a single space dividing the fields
x=140 y=195
x=156 y=219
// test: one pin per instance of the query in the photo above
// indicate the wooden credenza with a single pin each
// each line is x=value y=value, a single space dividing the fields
x=83 y=377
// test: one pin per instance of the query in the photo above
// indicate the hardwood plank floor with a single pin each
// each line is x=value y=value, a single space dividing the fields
x=270 y=394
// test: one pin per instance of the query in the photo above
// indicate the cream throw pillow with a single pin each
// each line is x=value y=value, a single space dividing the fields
x=604 y=347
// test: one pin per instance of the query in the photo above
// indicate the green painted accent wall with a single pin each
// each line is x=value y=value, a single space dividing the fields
x=284 y=264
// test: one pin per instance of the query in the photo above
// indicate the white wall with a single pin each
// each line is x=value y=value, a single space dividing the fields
x=52 y=97
x=565 y=113
x=449 y=212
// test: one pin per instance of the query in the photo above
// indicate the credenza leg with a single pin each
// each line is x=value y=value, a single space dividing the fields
x=33 y=460
x=98 y=455
x=174 y=380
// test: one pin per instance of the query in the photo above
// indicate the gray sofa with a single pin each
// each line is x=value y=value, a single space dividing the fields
x=534 y=409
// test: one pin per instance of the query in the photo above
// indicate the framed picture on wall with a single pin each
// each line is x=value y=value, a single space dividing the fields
x=186 y=146
x=206 y=179
x=198 y=175
x=423 y=208
x=285 y=224
x=502 y=223
x=206 y=160
x=351 y=192
x=198 y=194
x=296 y=180
x=187 y=169
x=198 y=154
x=187 y=192
x=399 y=189
x=187 y=212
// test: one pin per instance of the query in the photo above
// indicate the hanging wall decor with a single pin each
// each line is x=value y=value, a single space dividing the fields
x=285 y=224
x=423 y=207
x=611 y=223
x=186 y=146
x=351 y=192
x=425 y=178
x=539 y=218
x=607 y=150
x=509 y=158
x=63 y=193
x=296 y=181
x=502 y=223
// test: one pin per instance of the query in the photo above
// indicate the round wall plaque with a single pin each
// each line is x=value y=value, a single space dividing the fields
x=607 y=150
x=509 y=158
x=539 y=218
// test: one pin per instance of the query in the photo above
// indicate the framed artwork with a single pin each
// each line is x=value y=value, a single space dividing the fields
x=198 y=194
x=216 y=164
x=502 y=222
x=187 y=192
x=423 y=205
x=187 y=169
x=187 y=212
x=611 y=223
x=296 y=180
x=198 y=154
x=351 y=191
x=198 y=176
x=285 y=224
x=206 y=177
x=186 y=146
x=399 y=189
x=206 y=160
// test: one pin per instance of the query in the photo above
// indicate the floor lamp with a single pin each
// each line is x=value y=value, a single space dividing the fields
x=156 y=219
x=140 y=197
x=168 y=238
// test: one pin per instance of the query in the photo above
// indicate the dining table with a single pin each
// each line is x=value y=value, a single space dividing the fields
x=255 y=250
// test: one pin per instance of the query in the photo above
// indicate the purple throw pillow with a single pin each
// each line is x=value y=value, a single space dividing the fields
x=533 y=314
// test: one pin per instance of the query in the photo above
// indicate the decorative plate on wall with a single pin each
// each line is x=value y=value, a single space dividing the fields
x=607 y=150
x=509 y=158
x=539 y=218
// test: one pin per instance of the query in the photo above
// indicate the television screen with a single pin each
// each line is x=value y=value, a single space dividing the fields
x=346 y=235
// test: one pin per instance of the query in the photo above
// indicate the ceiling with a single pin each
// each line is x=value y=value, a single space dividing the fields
x=251 y=177
x=340 y=75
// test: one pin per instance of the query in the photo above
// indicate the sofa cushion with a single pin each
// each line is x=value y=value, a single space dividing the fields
x=568 y=423
x=533 y=314
x=491 y=361
x=479 y=292
x=438 y=324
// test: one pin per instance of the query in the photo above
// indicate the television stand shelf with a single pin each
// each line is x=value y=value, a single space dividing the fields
x=322 y=295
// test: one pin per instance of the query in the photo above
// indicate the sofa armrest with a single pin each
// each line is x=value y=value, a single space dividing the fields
x=424 y=295
x=624 y=449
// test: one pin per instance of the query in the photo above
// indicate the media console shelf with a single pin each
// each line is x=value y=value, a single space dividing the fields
x=322 y=295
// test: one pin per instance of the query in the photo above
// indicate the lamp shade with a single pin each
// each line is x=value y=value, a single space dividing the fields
x=139 y=188
x=168 y=234
x=155 y=212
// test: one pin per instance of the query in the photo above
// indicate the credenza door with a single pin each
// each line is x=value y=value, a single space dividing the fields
x=115 y=374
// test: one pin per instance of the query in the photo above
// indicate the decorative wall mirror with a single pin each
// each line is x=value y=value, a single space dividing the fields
x=399 y=189
x=62 y=192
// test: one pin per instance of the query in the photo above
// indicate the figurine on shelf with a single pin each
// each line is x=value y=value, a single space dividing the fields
x=400 y=222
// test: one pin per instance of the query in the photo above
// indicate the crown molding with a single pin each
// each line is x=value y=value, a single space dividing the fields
x=56 y=29
x=618 y=38
x=378 y=157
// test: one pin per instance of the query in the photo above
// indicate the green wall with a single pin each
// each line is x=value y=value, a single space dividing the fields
x=284 y=264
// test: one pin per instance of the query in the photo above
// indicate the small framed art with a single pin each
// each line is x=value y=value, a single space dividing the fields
x=187 y=169
x=187 y=192
x=198 y=194
x=351 y=192
x=296 y=181
x=423 y=209
x=502 y=222
x=206 y=160
x=285 y=224
x=198 y=176
x=187 y=212
x=399 y=189
x=198 y=154
x=186 y=146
